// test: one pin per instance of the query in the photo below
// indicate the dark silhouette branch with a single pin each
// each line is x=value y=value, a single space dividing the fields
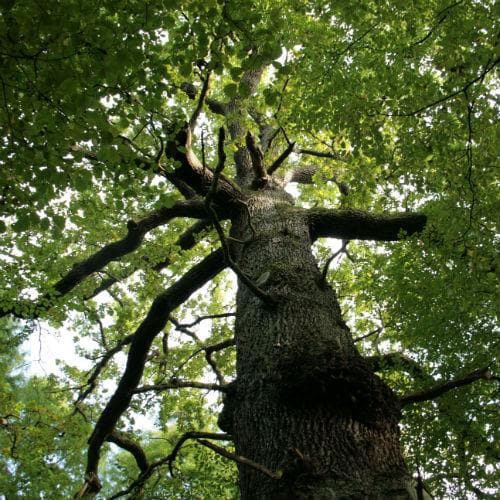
x=92 y=380
x=201 y=100
x=186 y=241
x=113 y=251
x=320 y=154
x=209 y=350
x=180 y=384
x=170 y=459
x=199 y=319
x=444 y=387
x=183 y=329
x=377 y=331
x=154 y=322
x=241 y=460
x=357 y=225
x=342 y=249
x=208 y=356
x=281 y=158
x=487 y=68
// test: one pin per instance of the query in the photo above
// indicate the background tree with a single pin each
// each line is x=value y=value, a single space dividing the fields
x=121 y=118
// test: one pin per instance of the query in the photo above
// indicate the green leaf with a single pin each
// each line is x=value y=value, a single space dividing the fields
x=231 y=89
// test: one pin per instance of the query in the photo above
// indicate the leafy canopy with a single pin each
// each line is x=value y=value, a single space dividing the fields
x=403 y=95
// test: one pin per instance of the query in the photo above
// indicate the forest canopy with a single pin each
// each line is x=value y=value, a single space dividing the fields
x=124 y=128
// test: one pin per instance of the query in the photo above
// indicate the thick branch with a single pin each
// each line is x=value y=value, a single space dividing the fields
x=124 y=442
x=257 y=158
x=216 y=107
x=444 y=387
x=302 y=175
x=113 y=251
x=181 y=384
x=305 y=175
x=154 y=322
x=357 y=225
x=186 y=241
x=191 y=171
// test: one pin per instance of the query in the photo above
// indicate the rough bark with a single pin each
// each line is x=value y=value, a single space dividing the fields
x=305 y=404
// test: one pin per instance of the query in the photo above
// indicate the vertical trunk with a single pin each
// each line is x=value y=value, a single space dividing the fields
x=304 y=402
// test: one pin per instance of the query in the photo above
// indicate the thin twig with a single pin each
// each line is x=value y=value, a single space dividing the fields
x=444 y=387
x=241 y=460
x=92 y=380
x=180 y=384
x=377 y=331
x=199 y=319
x=342 y=249
x=209 y=350
x=183 y=329
x=487 y=68
x=321 y=154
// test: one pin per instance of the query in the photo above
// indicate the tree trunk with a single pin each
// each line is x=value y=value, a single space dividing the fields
x=304 y=404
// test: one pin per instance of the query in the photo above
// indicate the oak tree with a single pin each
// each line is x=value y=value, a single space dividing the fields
x=312 y=180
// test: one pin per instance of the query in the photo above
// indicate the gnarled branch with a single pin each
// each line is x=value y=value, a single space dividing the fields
x=257 y=157
x=124 y=442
